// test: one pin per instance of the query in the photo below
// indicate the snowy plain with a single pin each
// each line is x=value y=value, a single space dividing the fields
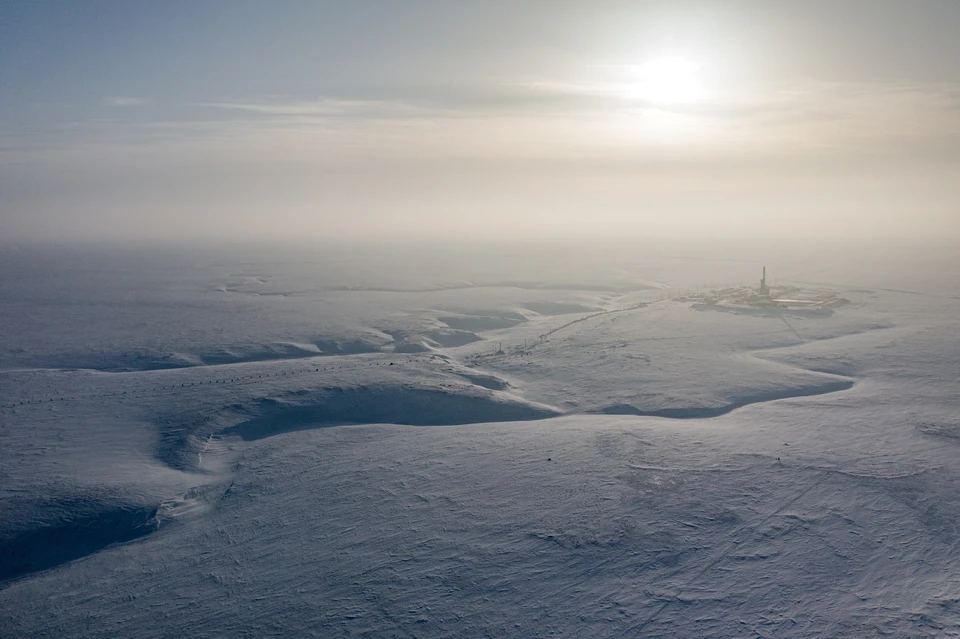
x=512 y=441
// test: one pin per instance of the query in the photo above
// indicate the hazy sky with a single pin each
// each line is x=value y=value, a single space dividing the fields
x=423 y=119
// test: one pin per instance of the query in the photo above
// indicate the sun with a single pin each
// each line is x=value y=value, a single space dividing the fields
x=668 y=81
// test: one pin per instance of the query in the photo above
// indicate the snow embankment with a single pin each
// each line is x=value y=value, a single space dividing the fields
x=384 y=404
x=61 y=529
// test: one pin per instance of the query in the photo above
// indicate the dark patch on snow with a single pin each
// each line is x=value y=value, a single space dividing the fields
x=182 y=439
x=830 y=364
x=123 y=362
x=452 y=338
x=948 y=430
x=422 y=342
x=700 y=412
x=558 y=308
x=479 y=323
x=76 y=530
x=405 y=346
x=486 y=381
x=383 y=405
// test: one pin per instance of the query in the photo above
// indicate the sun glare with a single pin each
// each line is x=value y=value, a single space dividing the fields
x=668 y=81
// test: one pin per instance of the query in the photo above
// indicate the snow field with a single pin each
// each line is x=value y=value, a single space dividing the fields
x=626 y=466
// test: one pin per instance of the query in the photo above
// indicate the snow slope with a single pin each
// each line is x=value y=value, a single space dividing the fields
x=602 y=460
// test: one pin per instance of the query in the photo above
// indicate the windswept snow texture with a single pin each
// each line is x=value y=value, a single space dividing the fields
x=476 y=443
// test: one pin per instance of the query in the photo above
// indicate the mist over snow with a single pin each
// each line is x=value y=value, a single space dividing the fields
x=502 y=439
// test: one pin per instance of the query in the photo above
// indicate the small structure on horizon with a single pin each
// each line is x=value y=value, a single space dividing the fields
x=764 y=290
x=766 y=300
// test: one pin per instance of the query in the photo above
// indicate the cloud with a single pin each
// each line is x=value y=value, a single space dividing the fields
x=322 y=107
x=524 y=120
x=552 y=98
x=123 y=101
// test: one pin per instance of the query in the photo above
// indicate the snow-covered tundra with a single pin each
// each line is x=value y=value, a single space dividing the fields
x=516 y=441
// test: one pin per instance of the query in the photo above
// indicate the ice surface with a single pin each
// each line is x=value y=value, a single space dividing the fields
x=507 y=442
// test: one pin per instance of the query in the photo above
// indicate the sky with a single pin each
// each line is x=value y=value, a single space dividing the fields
x=406 y=119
